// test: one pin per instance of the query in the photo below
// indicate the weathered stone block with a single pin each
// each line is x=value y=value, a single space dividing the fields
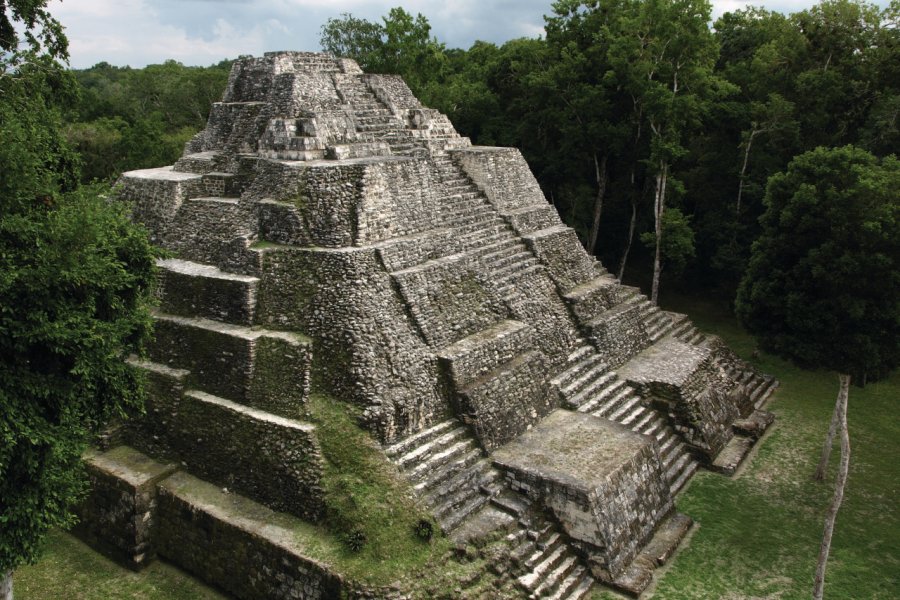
x=118 y=517
x=696 y=395
x=593 y=297
x=508 y=400
x=533 y=218
x=503 y=176
x=222 y=359
x=192 y=289
x=604 y=483
x=475 y=355
x=156 y=196
x=558 y=248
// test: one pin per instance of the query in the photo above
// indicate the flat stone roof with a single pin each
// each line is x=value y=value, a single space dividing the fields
x=574 y=449
x=669 y=361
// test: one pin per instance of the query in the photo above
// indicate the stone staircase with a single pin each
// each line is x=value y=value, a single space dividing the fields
x=447 y=468
x=588 y=385
x=374 y=121
x=545 y=565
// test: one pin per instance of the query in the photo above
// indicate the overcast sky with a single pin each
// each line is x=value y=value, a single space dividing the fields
x=203 y=32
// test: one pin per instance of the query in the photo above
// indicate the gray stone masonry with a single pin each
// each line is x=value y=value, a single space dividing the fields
x=328 y=232
x=603 y=483
x=119 y=515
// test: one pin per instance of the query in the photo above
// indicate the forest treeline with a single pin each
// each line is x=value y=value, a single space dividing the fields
x=652 y=133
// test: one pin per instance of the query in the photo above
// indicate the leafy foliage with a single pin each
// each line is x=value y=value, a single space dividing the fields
x=75 y=279
x=824 y=277
x=128 y=119
x=401 y=44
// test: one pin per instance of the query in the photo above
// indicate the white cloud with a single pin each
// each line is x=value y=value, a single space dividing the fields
x=139 y=32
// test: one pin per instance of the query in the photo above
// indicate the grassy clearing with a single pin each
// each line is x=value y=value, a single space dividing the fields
x=70 y=569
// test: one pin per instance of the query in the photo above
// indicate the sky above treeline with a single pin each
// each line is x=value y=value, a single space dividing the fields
x=204 y=32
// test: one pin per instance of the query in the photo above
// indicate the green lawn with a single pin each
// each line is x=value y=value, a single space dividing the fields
x=758 y=533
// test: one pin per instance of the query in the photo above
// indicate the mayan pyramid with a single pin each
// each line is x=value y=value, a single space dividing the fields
x=327 y=231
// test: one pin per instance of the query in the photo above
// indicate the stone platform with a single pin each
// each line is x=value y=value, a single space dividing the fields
x=604 y=483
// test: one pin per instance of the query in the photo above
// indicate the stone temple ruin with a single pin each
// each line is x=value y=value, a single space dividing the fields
x=331 y=232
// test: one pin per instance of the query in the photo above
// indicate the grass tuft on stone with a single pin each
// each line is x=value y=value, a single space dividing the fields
x=368 y=504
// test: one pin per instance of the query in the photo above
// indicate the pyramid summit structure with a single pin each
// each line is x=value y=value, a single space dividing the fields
x=330 y=233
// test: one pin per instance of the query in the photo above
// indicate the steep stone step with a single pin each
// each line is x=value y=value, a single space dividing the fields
x=422 y=453
x=431 y=475
x=411 y=442
x=266 y=457
x=593 y=398
x=464 y=483
x=577 y=377
x=513 y=270
x=658 y=324
x=682 y=479
x=555 y=578
x=192 y=289
x=465 y=501
x=475 y=355
x=542 y=563
x=576 y=586
x=258 y=367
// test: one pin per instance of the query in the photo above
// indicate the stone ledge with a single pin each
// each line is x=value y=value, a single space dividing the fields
x=118 y=516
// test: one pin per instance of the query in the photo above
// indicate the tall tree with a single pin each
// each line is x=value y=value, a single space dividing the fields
x=664 y=54
x=824 y=277
x=582 y=96
x=75 y=279
x=401 y=44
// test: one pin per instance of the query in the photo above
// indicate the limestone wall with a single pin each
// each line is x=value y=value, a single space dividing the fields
x=367 y=349
x=503 y=175
x=118 y=517
x=270 y=458
x=222 y=546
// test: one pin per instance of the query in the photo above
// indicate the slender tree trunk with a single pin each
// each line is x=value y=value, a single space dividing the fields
x=600 y=173
x=744 y=170
x=840 y=482
x=630 y=237
x=829 y=442
x=659 y=206
x=6 y=586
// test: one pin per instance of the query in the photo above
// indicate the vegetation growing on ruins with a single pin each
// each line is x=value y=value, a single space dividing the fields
x=368 y=506
x=627 y=134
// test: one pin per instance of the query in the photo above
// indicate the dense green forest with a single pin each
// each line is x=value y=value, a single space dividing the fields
x=640 y=121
